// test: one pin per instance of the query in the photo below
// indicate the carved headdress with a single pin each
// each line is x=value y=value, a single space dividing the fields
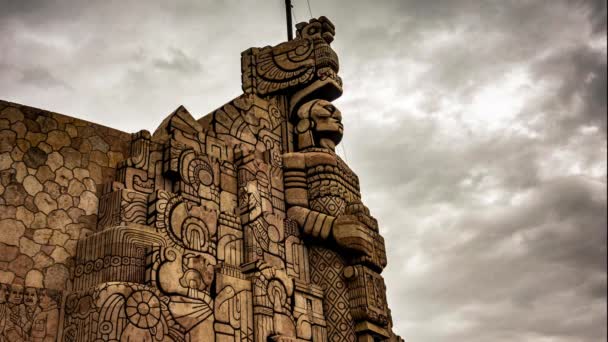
x=304 y=68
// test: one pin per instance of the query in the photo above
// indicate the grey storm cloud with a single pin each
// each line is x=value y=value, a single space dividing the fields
x=37 y=76
x=477 y=128
x=581 y=74
x=179 y=62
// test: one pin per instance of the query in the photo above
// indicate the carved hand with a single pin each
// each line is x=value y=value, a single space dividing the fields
x=351 y=234
x=15 y=318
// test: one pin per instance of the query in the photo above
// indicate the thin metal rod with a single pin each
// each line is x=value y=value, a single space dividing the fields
x=309 y=10
x=289 y=23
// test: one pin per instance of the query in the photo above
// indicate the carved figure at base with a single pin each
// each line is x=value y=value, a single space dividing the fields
x=44 y=326
x=4 y=310
x=13 y=331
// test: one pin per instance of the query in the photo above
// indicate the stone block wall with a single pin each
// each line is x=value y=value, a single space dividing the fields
x=51 y=167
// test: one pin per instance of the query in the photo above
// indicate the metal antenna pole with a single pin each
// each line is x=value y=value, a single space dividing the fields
x=289 y=23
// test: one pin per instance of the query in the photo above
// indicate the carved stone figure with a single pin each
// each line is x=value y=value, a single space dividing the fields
x=242 y=225
x=44 y=325
x=323 y=195
x=4 y=311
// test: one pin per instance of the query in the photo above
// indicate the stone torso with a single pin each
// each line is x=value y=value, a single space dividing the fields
x=332 y=184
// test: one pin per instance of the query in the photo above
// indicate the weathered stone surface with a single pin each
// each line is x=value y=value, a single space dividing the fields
x=97 y=143
x=21 y=265
x=85 y=146
x=63 y=176
x=45 y=147
x=58 y=139
x=34 y=157
x=23 y=145
x=75 y=188
x=89 y=184
x=5 y=178
x=48 y=249
x=45 y=202
x=70 y=246
x=32 y=126
x=55 y=161
x=25 y=216
x=60 y=255
x=42 y=260
x=17 y=154
x=80 y=173
x=6 y=277
x=72 y=158
x=71 y=130
x=53 y=189
x=44 y=173
x=12 y=114
x=42 y=236
x=8 y=253
x=55 y=277
x=98 y=157
x=35 y=138
x=32 y=185
x=20 y=171
x=59 y=238
x=75 y=213
x=95 y=172
x=14 y=194
x=34 y=278
x=114 y=158
x=46 y=123
x=65 y=202
x=29 y=204
x=88 y=202
x=58 y=219
x=19 y=128
x=5 y=161
x=39 y=220
x=74 y=230
x=8 y=140
x=28 y=247
x=7 y=211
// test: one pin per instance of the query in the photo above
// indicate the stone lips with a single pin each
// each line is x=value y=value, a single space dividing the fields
x=226 y=228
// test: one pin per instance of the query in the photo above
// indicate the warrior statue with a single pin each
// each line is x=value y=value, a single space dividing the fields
x=346 y=252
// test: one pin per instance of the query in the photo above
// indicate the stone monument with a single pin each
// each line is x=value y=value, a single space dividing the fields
x=243 y=225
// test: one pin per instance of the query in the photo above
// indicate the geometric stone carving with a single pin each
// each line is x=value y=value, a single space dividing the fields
x=243 y=225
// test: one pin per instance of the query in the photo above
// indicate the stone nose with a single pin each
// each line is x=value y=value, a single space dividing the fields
x=337 y=115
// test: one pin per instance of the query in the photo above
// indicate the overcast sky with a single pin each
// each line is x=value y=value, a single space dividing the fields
x=478 y=130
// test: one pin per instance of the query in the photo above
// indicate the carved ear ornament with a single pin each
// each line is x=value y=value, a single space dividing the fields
x=304 y=125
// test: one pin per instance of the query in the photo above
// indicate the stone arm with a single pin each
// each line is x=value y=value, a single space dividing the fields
x=312 y=223
x=346 y=230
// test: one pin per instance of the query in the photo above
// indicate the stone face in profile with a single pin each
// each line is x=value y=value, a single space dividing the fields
x=243 y=225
